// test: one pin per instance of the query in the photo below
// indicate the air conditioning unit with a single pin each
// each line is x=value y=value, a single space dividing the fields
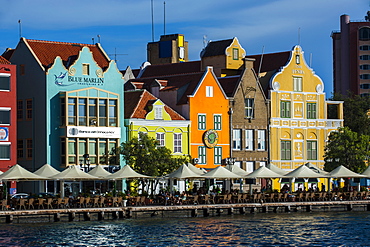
x=195 y=160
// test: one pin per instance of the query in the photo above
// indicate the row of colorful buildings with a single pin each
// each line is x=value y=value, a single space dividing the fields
x=68 y=104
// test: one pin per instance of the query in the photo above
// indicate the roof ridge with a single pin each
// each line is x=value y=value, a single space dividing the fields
x=58 y=42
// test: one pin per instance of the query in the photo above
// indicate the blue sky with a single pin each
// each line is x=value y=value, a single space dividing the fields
x=125 y=27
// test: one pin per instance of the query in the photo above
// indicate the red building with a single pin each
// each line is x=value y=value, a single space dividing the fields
x=8 y=115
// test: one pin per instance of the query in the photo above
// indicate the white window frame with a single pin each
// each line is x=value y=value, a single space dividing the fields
x=6 y=109
x=202 y=155
x=237 y=139
x=249 y=166
x=177 y=142
x=217 y=121
x=261 y=140
x=297 y=84
x=209 y=91
x=249 y=140
x=160 y=136
x=202 y=122
x=8 y=144
x=218 y=155
x=5 y=75
x=158 y=112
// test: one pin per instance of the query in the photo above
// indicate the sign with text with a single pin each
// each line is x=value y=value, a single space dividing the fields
x=93 y=132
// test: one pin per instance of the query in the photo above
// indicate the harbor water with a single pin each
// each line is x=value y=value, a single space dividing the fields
x=284 y=229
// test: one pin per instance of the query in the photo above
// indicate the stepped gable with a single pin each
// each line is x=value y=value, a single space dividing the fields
x=270 y=61
x=171 y=69
x=229 y=84
x=47 y=51
x=3 y=60
x=216 y=48
x=137 y=102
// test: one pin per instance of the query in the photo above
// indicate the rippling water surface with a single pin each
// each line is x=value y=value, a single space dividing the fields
x=287 y=229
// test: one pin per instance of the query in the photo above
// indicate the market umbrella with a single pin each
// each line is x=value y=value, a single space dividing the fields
x=183 y=172
x=315 y=168
x=366 y=172
x=46 y=171
x=264 y=172
x=99 y=172
x=343 y=172
x=126 y=172
x=18 y=173
x=220 y=173
x=195 y=169
x=304 y=172
x=237 y=170
x=276 y=169
x=73 y=173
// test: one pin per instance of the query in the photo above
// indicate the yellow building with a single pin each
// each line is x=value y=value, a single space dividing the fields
x=299 y=120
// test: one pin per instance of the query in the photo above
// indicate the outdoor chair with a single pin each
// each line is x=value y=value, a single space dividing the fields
x=195 y=200
x=81 y=202
x=306 y=197
x=102 y=201
x=271 y=197
x=95 y=202
x=66 y=202
x=49 y=202
x=30 y=203
x=119 y=201
x=137 y=201
x=244 y=197
x=40 y=203
x=300 y=197
x=114 y=201
x=285 y=197
x=60 y=203
x=4 y=204
x=207 y=199
x=239 y=198
x=143 y=200
x=279 y=197
x=22 y=203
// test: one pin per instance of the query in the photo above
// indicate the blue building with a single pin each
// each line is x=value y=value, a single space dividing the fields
x=70 y=104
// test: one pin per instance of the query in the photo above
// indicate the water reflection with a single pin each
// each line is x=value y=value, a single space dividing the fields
x=296 y=229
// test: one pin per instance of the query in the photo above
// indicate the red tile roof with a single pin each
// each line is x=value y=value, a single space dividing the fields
x=47 y=51
x=137 y=102
x=3 y=60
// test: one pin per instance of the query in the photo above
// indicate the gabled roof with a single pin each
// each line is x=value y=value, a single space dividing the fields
x=3 y=60
x=137 y=102
x=216 y=48
x=229 y=84
x=171 y=69
x=47 y=51
x=270 y=61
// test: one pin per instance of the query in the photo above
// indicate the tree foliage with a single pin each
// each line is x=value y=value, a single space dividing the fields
x=355 y=112
x=145 y=156
x=348 y=148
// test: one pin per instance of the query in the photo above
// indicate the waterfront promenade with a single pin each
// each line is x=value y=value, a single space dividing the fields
x=203 y=208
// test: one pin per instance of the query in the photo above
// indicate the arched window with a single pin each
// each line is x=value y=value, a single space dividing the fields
x=364 y=33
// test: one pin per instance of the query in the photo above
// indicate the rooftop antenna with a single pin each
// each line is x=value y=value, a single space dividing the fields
x=20 y=28
x=299 y=36
x=152 y=22
x=92 y=40
x=98 y=38
x=259 y=67
x=164 y=17
x=115 y=55
x=310 y=60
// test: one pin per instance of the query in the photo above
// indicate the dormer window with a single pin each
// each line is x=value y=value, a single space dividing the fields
x=86 y=69
x=235 y=53
x=209 y=91
x=158 y=114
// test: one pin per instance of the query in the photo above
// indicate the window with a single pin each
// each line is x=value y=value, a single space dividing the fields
x=249 y=106
x=365 y=66
x=209 y=91
x=86 y=69
x=364 y=33
x=249 y=166
x=201 y=121
x=93 y=112
x=5 y=82
x=365 y=57
x=29 y=148
x=237 y=139
x=20 y=152
x=249 y=140
x=365 y=76
x=112 y=112
x=202 y=155
x=311 y=110
x=235 y=53
x=285 y=109
x=365 y=86
x=20 y=110
x=82 y=112
x=72 y=111
x=285 y=150
x=297 y=84
x=158 y=112
x=29 y=108
x=4 y=116
x=261 y=140
x=218 y=155
x=311 y=150
x=365 y=47
x=297 y=59
x=217 y=122
x=4 y=151
x=177 y=137
x=160 y=139
x=102 y=112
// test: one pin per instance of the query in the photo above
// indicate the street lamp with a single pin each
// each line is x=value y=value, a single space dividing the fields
x=85 y=163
